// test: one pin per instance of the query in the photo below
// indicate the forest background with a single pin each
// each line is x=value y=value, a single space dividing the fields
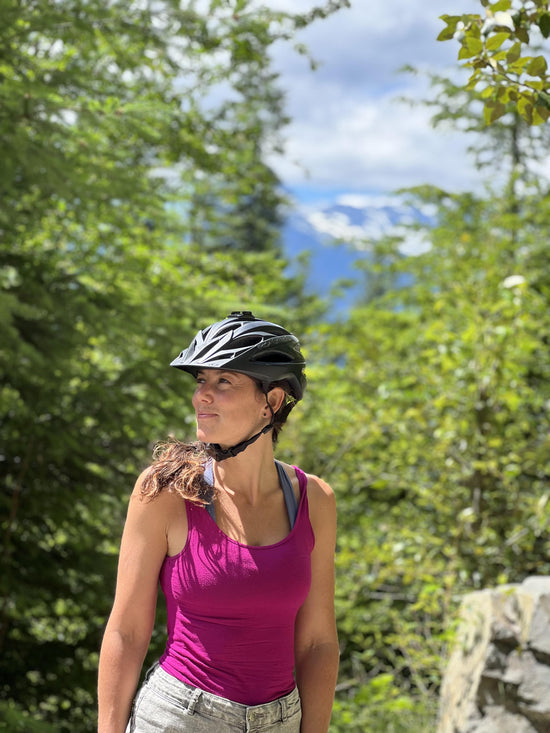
x=136 y=206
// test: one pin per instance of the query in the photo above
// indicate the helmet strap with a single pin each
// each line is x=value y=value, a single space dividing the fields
x=220 y=454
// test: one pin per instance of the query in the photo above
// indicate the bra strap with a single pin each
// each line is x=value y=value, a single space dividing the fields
x=209 y=478
x=288 y=492
x=284 y=481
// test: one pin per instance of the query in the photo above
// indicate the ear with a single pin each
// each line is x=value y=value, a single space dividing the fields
x=276 y=398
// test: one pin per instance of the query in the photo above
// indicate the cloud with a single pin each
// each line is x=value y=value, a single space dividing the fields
x=374 y=145
x=348 y=130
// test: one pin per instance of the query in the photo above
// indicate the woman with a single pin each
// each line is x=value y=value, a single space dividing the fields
x=244 y=550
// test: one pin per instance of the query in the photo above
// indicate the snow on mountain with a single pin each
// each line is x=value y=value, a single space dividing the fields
x=338 y=234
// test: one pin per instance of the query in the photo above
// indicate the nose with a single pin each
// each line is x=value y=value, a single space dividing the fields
x=203 y=393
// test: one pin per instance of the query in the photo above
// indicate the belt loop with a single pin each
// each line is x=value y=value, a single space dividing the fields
x=150 y=671
x=193 y=701
x=282 y=705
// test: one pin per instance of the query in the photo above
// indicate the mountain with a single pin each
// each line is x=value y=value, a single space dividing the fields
x=337 y=235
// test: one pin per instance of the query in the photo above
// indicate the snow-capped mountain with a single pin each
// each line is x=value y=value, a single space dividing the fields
x=338 y=234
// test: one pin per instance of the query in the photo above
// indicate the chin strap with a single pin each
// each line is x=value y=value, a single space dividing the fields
x=219 y=454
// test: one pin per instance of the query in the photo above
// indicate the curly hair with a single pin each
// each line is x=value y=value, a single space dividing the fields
x=179 y=467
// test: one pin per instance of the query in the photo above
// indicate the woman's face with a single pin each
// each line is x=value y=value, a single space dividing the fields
x=229 y=407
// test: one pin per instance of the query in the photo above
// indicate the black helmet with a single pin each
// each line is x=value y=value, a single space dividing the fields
x=246 y=344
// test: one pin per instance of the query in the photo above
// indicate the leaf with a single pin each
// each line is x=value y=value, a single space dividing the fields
x=543 y=99
x=544 y=24
x=525 y=106
x=496 y=40
x=501 y=5
x=470 y=47
x=541 y=114
x=518 y=66
x=448 y=32
x=522 y=35
x=513 y=53
x=537 y=67
x=494 y=111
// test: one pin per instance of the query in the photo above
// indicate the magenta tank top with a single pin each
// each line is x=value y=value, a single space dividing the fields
x=232 y=607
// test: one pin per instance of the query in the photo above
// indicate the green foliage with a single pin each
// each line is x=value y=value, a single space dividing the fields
x=427 y=407
x=504 y=57
x=428 y=413
x=114 y=116
x=15 y=720
x=380 y=707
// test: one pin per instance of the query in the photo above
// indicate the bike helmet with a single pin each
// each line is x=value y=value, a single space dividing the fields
x=246 y=344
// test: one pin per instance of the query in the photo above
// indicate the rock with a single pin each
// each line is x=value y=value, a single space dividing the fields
x=498 y=675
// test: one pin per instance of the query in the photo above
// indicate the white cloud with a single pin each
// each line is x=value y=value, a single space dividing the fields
x=348 y=132
x=376 y=145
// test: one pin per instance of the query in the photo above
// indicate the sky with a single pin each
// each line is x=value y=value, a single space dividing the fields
x=349 y=133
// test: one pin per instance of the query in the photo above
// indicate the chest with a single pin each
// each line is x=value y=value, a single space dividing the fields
x=265 y=522
x=216 y=572
x=255 y=526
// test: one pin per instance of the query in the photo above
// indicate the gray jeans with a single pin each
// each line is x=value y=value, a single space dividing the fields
x=166 y=705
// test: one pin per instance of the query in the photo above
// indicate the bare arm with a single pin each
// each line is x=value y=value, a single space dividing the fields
x=128 y=631
x=316 y=641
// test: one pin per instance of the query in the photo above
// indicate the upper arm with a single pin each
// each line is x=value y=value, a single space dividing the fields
x=315 y=623
x=142 y=552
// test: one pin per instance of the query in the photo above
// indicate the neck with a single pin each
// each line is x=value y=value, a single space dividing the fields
x=250 y=473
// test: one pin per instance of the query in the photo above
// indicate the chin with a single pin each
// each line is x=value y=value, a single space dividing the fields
x=206 y=437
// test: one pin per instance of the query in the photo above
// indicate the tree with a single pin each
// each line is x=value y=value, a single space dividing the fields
x=112 y=116
x=503 y=51
x=429 y=417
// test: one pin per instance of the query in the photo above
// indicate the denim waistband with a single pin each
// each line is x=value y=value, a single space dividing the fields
x=192 y=700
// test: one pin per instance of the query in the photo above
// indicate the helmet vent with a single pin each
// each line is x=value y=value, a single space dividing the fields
x=247 y=342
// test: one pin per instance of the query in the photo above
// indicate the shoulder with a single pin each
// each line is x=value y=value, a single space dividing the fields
x=322 y=504
x=160 y=505
x=159 y=521
x=321 y=501
x=319 y=492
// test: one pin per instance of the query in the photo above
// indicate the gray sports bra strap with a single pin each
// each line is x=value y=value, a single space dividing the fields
x=209 y=478
x=286 y=486
x=288 y=492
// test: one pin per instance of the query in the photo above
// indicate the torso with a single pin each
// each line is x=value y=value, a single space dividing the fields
x=232 y=606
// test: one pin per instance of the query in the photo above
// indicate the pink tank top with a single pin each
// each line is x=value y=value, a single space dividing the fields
x=232 y=607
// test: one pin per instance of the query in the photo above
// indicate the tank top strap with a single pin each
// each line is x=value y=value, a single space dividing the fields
x=302 y=479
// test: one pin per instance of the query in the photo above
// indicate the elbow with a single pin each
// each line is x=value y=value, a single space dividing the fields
x=326 y=651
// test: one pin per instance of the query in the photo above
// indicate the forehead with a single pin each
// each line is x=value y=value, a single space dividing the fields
x=207 y=372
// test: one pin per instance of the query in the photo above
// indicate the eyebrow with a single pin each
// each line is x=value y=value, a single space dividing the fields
x=218 y=371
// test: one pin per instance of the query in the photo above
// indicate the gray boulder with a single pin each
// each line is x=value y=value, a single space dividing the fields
x=497 y=679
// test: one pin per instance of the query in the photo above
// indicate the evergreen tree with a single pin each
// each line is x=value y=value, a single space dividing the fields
x=113 y=117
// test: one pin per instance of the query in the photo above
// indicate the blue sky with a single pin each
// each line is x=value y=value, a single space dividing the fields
x=349 y=133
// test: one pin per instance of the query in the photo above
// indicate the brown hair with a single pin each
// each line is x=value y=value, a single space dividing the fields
x=280 y=417
x=180 y=466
